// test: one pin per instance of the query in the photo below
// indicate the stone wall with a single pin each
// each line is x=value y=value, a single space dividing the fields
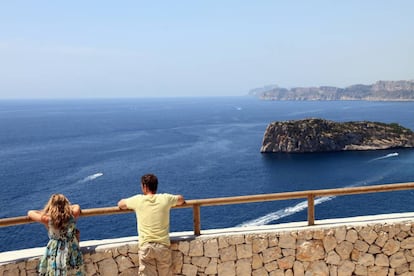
x=361 y=247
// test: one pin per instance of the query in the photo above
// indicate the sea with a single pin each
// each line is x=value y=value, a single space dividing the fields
x=95 y=150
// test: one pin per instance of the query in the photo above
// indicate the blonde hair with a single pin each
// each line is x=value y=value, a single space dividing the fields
x=58 y=209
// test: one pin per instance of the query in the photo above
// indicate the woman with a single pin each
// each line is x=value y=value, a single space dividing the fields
x=62 y=255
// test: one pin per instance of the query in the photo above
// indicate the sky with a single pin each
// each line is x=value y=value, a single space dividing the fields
x=116 y=49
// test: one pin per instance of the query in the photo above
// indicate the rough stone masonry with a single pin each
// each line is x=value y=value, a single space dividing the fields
x=373 y=248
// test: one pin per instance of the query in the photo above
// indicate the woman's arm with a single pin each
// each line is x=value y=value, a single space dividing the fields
x=76 y=210
x=38 y=216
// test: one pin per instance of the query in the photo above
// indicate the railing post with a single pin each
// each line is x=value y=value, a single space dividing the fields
x=311 y=209
x=196 y=219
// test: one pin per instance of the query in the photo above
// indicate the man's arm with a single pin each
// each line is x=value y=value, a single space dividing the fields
x=122 y=204
x=180 y=200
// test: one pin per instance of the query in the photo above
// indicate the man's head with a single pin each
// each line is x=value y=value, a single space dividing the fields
x=150 y=182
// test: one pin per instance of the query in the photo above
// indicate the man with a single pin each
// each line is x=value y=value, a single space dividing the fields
x=153 y=225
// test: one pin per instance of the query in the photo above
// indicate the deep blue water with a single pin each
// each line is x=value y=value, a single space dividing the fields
x=94 y=151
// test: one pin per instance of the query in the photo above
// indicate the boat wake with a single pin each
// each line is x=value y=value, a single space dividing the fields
x=394 y=154
x=274 y=216
x=91 y=177
x=283 y=213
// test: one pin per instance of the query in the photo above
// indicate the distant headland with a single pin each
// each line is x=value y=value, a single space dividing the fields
x=319 y=135
x=402 y=90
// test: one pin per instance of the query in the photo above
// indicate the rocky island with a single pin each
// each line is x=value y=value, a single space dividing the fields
x=380 y=91
x=319 y=135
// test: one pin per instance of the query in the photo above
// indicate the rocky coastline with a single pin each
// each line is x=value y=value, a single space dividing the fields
x=380 y=91
x=319 y=135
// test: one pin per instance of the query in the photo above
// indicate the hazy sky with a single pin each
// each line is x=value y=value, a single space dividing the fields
x=61 y=49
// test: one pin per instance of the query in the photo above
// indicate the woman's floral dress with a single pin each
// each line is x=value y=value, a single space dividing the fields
x=63 y=255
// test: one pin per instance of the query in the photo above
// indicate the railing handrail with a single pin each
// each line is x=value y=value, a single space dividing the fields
x=197 y=203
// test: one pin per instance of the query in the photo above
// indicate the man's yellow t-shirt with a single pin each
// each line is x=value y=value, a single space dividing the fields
x=153 y=216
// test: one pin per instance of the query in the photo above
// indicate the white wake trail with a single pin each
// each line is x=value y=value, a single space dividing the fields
x=283 y=213
x=394 y=154
x=91 y=177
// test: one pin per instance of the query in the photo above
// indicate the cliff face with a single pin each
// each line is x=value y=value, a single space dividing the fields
x=380 y=91
x=318 y=135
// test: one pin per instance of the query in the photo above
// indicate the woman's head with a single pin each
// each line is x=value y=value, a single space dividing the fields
x=58 y=209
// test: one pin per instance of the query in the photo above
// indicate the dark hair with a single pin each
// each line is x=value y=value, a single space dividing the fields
x=150 y=181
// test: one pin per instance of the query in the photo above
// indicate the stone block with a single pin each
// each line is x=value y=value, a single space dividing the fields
x=272 y=266
x=228 y=253
x=244 y=251
x=346 y=268
x=226 y=269
x=288 y=252
x=329 y=243
x=298 y=269
x=237 y=239
x=366 y=259
x=99 y=256
x=318 y=234
x=211 y=248
x=344 y=249
x=184 y=247
x=130 y=272
x=107 y=267
x=361 y=246
x=189 y=270
x=259 y=244
x=260 y=272
x=286 y=262
x=273 y=240
x=200 y=261
x=408 y=243
x=305 y=235
x=361 y=270
x=378 y=271
x=355 y=254
x=381 y=239
x=310 y=250
x=402 y=269
x=398 y=259
x=382 y=260
x=351 y=235
x=211 y=268
x=319 y=268
x=340 y=234
x=374 y=249
x=271 y=254
x=222 y=241
x=122 y=250
x=134 y=248
x=124 y=263
x=196 y=248
x=287 y=241
x=391 y=247
x=368 y=234
x=243 y=267
x=333 y=258
x=257 y=261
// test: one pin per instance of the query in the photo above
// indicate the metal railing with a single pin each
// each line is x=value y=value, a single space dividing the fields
x=196 y=204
